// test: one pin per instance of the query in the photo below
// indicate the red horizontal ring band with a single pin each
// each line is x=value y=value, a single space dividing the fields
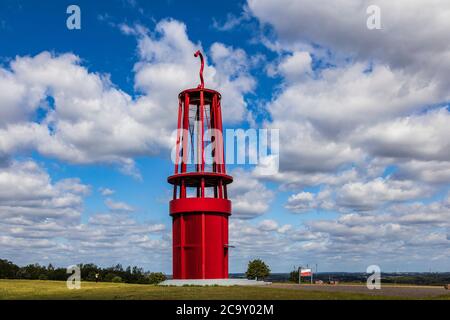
x=189 y=205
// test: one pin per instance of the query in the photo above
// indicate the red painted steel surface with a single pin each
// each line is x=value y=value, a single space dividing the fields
x=207 y=205
x=200 y=207
x=200 y=248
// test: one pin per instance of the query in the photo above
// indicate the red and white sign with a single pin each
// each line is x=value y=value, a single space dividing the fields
x=305 y=272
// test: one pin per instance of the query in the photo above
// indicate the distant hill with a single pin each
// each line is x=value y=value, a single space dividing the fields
x=418 y=278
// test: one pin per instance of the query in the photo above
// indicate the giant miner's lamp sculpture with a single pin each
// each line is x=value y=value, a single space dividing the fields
x=200 y=207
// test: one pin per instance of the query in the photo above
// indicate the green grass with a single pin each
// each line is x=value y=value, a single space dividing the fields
x=35 y=289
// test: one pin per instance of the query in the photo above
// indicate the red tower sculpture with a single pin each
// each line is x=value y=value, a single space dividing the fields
x=200 y=207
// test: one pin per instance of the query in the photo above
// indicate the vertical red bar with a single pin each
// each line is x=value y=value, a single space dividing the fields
x=177 y=148
x=202 y=194
x=213 y=114
x=225 y=192
x=182 y=189
x=213 y=118
x=197 y=142
x=185 y=132
x=226 y=249
x=179 y=132
x=174 y=191
x=185 y=143
x=220 y=146
x=182 y=244
x=220 y=189
x=203 y=246
x=202 y=130
x=175 y=247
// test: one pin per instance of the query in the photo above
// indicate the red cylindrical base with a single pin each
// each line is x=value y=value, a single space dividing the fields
x=200 y=245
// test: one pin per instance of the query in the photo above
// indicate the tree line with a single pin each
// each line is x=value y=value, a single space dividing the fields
x=89 y=272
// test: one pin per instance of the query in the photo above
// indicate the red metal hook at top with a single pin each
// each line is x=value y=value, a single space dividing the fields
x=202 y=83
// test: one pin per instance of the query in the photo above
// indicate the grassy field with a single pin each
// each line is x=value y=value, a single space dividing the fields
x=35 y=289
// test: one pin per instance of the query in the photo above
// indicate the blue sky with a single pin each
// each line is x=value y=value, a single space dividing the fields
x=364 y=159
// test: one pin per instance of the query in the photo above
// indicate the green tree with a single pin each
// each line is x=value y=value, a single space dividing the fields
x=257 y=269
x=8 y=270
x=293 y=276
x=88 y=271
x=156 y=277
x=43 y=277
x=109 y=276
x=32 y=271
x=91 y=276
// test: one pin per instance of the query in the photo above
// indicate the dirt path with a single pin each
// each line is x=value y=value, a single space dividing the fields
x=386 y=290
